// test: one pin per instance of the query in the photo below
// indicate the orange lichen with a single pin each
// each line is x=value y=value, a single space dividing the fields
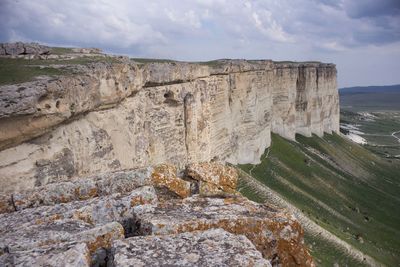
x=105 y=240
x=213 y=177
x=83 y=216
x=165 y=176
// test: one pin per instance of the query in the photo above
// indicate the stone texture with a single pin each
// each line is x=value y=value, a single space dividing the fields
x=115 y=206
x=80 y=189
x=69 y=255
x=14 y=49
x=96 y=211
x=126 y=115
x=277 y=235
x=165 y=175
x=213 y=178
x=209 y=248
x=58 y=231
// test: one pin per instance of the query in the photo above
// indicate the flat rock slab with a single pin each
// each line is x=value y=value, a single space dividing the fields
x=68 y=255
x=276 y=234
x=96 y=211
x=214 y=247
x=61 y=231
x=122 y=182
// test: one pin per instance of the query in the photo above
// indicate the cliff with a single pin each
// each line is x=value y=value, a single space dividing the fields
x=101 y=157
x=121 y=114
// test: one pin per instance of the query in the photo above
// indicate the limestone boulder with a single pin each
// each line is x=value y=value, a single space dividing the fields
x=214 y=247
x=213 y=178
x=123 y=182
x=277 y=235
x=165 y=175
x=67 y=254
x=59 y=231
x=96 y=211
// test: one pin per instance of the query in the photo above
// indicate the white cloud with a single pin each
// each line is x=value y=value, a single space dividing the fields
x=206 y=29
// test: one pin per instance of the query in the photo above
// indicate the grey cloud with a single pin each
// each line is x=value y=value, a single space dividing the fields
x=372 y=8
x=207 y=29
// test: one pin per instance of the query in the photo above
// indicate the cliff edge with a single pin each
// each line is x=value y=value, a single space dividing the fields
x=107 y=113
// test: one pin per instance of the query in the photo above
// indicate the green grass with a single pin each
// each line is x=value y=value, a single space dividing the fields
x=61 y=50
x=378 y=131
x=152 y=60
x=15 y=71
x=343 y=187
x=19 y=70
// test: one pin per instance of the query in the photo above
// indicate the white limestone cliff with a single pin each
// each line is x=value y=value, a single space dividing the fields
x=125 y=115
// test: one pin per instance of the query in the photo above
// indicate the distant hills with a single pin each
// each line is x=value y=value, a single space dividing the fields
x=370 y=89
x=370 y=98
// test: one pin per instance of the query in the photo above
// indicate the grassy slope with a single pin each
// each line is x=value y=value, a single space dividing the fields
x=18 y=70
x=343 y=187
x=378 y=131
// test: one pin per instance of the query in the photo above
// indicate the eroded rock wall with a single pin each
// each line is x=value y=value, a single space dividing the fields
x=126 y=115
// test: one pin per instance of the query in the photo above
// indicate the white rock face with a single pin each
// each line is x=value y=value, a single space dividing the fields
x=126 y=116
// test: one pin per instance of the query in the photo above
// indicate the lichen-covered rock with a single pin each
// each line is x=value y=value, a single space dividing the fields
x=276 y=234
x=200 y=248
x=65 y=254
x=214 y=178
x=165 y=175
x=79 y=189
x=112 y=207
x=58 y=231
x=96 y=211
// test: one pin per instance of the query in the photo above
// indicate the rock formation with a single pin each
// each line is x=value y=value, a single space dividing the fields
x=15 y=49
x=123 y=218
x=126 y=115
x=99 y=164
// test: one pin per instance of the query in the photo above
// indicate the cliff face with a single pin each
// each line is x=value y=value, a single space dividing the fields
x=124 y=115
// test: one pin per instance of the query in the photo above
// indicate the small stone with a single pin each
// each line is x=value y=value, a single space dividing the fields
x=165 y=175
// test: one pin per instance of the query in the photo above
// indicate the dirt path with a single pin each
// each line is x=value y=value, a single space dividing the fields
x=310 y=226
x=394 y=135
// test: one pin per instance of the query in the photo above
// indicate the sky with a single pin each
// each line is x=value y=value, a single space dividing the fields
x=362 y=37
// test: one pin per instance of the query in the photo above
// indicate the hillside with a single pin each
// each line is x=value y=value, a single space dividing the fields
x=370 y=98
x=342 y=187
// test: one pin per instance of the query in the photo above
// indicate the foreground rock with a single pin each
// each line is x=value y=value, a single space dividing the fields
x=80 y=189
x=277 y=235
x=200 y=248
x=139 y=218
x=69 y=255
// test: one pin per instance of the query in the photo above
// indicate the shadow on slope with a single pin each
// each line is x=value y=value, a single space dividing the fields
x=343 y=187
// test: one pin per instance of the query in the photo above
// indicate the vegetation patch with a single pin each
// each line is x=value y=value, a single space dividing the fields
x=343 y=187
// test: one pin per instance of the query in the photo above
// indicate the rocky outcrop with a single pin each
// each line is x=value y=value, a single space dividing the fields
x=14 y=49
x=199 y=248
x=126 y=115
x=142 y=225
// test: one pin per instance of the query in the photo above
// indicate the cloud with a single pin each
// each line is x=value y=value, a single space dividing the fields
x=208 y=29
x=372 y=8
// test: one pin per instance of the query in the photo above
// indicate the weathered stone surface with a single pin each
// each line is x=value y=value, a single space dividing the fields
x=96 y=211
x=112 y=207
x=209 y=248
x=165 y=175
x=277 y=235
x=18 y=48
x=87 y=50
x=80 y=189
x=68 y=255
x=58 y=231
x=126 y=115
x=214 y=178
